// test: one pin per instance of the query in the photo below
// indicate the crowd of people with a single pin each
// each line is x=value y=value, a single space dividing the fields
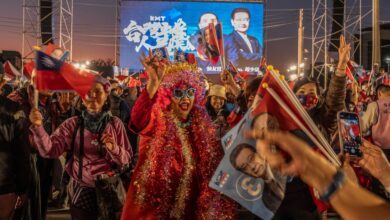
x=156 y=147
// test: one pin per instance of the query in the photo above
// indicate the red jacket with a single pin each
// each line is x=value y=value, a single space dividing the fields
x=175 y=166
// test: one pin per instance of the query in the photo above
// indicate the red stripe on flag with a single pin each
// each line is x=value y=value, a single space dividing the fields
x=121 y=77
x=10 y=71
x=349 y=71
x=50 y=80
x=28 y=69
x=269 y=105
x=80 y=80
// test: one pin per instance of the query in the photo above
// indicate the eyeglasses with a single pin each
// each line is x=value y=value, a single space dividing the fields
x=180 y=93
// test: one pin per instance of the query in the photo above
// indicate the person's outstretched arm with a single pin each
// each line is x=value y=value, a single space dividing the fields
x=350 y=200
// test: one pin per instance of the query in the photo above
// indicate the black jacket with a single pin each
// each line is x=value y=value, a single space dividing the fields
x=14 y=149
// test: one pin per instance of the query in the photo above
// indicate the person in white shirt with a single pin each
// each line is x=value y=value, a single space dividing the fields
x=243 y=50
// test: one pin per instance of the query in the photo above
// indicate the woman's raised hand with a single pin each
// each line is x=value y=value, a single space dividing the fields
x=155 y=69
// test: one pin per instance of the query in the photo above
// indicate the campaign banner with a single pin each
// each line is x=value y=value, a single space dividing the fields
x=246 y=177
x=177 y=25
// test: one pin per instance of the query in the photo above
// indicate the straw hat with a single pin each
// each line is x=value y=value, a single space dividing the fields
x=218 y=90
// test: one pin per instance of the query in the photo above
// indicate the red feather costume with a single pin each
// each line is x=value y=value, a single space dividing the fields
x=175 y=164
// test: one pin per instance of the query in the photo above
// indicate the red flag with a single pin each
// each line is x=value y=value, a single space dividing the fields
x=134 y=83
x=271 y=106
x=349 y=71
x=28 y=69
x=191 y=58
x=51 y=48
x=263 y=65
x=10 y=71
x=121 y=77
x=143 y=75
x=53 y=74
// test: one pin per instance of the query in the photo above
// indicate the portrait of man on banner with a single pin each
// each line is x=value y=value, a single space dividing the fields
x=244 y=175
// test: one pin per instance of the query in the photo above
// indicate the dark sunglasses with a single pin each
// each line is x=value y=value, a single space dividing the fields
x=180 y=93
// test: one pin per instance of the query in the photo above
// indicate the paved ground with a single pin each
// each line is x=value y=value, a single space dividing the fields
x=58 y=215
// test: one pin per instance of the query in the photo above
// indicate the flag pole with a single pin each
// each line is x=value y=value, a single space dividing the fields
x=34 y=79
x=305 y=116
x=35 y=90
x=223 y=49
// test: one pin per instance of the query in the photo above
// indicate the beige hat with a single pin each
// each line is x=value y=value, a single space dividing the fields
x=218 y=90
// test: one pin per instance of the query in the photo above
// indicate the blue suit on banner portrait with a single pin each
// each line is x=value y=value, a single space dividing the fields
x=240 y=54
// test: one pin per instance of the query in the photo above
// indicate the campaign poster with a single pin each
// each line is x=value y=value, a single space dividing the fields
x=247 y=179
x=176 y=25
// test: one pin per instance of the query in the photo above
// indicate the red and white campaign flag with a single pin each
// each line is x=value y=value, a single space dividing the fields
x=10 y=71
x=28 y=69
x=280 y=101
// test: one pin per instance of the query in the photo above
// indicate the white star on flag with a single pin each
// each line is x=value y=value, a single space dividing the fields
x=48 y=62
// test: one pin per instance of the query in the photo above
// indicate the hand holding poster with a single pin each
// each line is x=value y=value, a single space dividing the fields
x=278 y=109
x=245 y=176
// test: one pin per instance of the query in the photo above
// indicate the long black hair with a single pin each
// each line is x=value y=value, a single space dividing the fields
x=210 y=110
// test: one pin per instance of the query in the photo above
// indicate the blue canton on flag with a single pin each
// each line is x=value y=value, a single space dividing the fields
x=46 y=62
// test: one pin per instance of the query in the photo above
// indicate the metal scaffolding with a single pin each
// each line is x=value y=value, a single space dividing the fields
x=322 y=19
x=31 y=33
x=66 y=26
x=62 y=11
x=320 y=38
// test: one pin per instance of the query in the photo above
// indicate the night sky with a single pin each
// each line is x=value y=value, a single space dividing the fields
x=94 y=28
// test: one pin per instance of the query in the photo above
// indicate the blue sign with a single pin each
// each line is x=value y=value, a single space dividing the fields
x=175 y=25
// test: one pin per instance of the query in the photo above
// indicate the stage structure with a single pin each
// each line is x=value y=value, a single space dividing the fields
x=182 y=26
x=324 y=15
x=59 y=14
x=66 y=26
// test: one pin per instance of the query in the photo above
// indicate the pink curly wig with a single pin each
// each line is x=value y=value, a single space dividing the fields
x=178 y=76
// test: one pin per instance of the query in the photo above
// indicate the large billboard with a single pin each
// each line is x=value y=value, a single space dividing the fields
x=176 y=25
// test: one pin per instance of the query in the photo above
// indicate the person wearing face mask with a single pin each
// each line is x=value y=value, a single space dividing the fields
x=178 y=150
x=299 y=202
x=96 y=141
x=323 y=111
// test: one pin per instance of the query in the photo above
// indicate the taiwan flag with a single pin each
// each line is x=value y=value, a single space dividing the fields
x=54 y=75
x=181 y=56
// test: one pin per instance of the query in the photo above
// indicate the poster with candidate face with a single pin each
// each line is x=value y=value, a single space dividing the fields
x=176 y=25
x=244 y=175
